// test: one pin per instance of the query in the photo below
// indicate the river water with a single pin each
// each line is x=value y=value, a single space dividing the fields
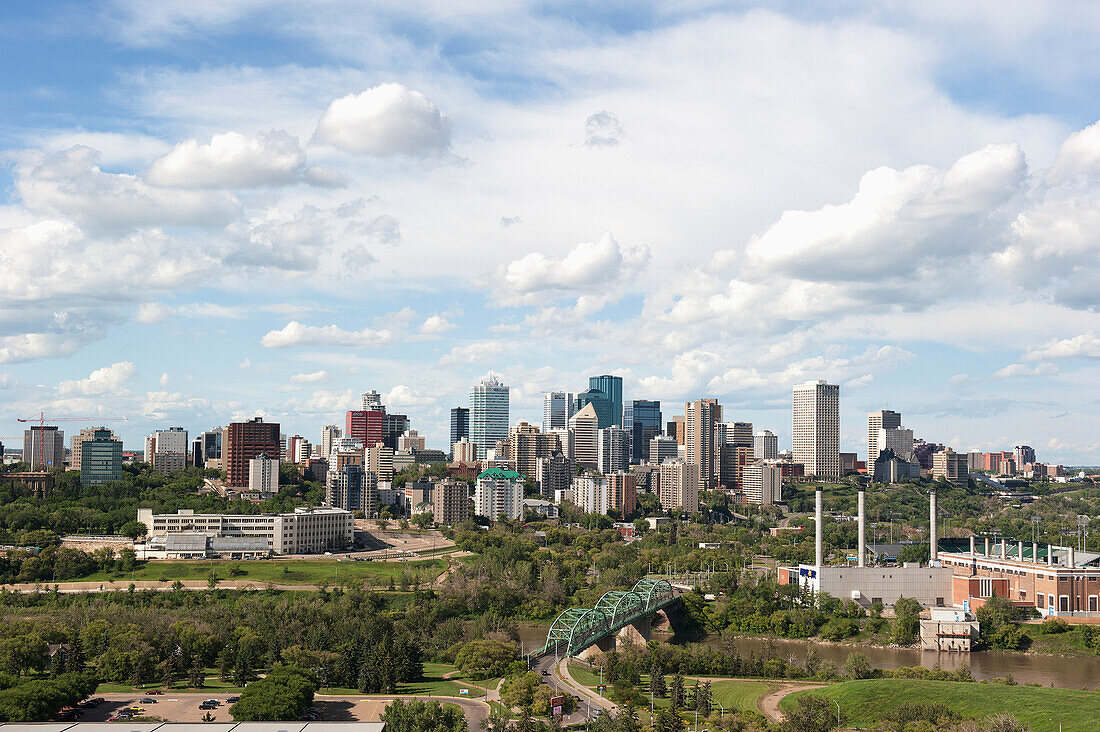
x=1070 y=673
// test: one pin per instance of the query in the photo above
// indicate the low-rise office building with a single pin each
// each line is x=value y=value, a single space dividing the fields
x=305 y=531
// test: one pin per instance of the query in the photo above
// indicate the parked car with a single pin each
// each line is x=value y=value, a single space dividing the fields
x=154 y=692
x=147 y=701
x=215 y=702
x=232 y=699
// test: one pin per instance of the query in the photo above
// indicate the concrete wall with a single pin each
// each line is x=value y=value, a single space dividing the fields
x=931 y=586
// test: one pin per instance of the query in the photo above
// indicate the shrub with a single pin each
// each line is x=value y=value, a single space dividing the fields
x=1051 y=626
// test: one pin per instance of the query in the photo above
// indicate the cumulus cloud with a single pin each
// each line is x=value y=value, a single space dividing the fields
x=1086 y=345
x=1016 y=370
x=232 y=160
x=435 y=325
x=106 y=380
x=477 y=352
x=603 y=129
x=593 y=268
x=310 y=378
x=298 y=334
x=388 y=119
x=1078 y=155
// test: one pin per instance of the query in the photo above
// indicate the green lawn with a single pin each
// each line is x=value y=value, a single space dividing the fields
x=583 y=676
x=294 y=571
x=740 y=694
x=865 y=703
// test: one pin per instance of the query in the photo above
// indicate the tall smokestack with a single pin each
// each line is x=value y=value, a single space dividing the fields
x=1071 y=558
x=1035 y=552
x=819 y=530
x=933 y=554
x=971 y=546
x=862 y=526
x=1020 y=551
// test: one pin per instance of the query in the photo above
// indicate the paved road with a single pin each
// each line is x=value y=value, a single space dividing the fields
x=558 y=679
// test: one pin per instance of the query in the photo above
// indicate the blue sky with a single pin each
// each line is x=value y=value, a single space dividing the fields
x=214 y=210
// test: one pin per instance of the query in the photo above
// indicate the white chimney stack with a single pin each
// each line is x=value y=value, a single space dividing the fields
x=819 y=530
x=862 y=528
x=933 y=554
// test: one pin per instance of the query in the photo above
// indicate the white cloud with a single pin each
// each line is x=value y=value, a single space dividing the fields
x=388 y=119
x=1086 y=345
x=106 y=380
x=232 y=160
x=1079 y=155
x=478 y=352
x=245 y=364
x=402 y=396
x=164 y=379
x=436 y=325
x=152 y=312
x=603 y=129
x=310 y=378
x=298 y=334
x=1016 y=370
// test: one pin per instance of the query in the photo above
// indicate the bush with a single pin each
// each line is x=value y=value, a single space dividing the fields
x=932 y=712
x=1051 y=626
x=283 y=694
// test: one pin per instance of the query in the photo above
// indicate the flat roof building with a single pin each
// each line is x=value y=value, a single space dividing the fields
x=305 y=531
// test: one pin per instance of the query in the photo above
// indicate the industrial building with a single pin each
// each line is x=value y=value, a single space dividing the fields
x=305 y=531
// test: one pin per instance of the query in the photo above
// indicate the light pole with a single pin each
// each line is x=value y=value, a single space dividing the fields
x=837 y=712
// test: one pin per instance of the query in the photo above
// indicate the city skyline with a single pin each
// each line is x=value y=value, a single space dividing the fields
x=222 y=214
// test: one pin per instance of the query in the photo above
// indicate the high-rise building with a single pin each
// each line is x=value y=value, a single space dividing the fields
x=1025 y=455
x=590 y=493
x=460 y=426
x=352 y=488
x=365 y=426
x=612 y=386
x=732 y=460
x=950 y=466
x=329 y=433
x=679 y=486
x=642 y=417
x=897 y=439
x=450 y=502
x=525 y=445
x=661 y=449
x=464 y=451
x=499 y=493
x=557 y=408
x=600 y=403
x=372 y=402
x=297 y=450
x=585 y=428
x=166 y=450
x=675 y=429
x=765 y=445
x=100 y=458
x=762 y=483
x=44 y=447
x=393 y=426
x=622 y=493
x=263 y=476
x=244 y=441
x=488 y=414
x=816 y=428
x=734 y=433
x=701 y=446
x=613 y=450
x=77 y=440
x=883 y=419
x=554 y=473
x=380 y=462
x=411 y=440
x=212 y=441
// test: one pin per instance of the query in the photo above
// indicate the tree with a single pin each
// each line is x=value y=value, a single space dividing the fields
x=657 y=682
x=485 y=659
x=703 y=699
x=811 y=714
x=627 y=720
x=418 y=715
x=858 y=666
x=283 y=694
x=520 y=691
x=676 y=692
x=133 y=529
x=667 y=720
x=197 y=677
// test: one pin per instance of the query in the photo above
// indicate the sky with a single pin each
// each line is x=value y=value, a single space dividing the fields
x=214 y=210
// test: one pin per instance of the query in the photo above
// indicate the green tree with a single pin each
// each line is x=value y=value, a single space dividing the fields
x=858 y=666
x=657 y=682
x=667 y=720
x=283 y=694
x=197 y=676
x=811 y=714
x=133 y=529
x=676 y=692
x=417 y=715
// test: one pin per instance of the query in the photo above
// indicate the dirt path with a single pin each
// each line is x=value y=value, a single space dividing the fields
x=769 y=704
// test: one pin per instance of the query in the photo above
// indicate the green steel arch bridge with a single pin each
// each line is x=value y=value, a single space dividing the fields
x=577 y=628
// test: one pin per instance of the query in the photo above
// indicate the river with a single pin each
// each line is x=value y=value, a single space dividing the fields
x=1069 y=673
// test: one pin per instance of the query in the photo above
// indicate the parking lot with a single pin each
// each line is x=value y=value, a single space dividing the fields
x=176 y=707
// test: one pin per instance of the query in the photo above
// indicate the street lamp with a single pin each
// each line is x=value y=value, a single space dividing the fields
x=837 y=712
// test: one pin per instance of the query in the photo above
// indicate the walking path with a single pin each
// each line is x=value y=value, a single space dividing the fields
x=769 y=705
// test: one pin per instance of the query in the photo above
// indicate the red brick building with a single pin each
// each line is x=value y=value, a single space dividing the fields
x=244 y=441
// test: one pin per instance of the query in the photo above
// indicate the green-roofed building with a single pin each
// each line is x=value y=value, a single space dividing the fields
x=499 y=493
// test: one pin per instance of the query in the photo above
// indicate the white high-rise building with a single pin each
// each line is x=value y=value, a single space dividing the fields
x=411 y=440
x=166 y=450
x=499 y=493
x=765 y=445
x=679 y=486
x=590 y=493
x=883 y=419
x=557 y=408
x=584 y=426
x=372 y=401
x=263 y=476
x=488 y=414
x=762 y=483
x=816 y=427
x=613 y=450
x=329 y=433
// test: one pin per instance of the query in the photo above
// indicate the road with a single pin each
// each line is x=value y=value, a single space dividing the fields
x=180 y=707
x=560 y=681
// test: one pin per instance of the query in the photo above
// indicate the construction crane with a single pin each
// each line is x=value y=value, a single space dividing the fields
x=42 y=419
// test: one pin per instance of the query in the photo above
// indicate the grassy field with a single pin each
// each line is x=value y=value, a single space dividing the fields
x=865 y=703
x=740 y=694
x=287 y=572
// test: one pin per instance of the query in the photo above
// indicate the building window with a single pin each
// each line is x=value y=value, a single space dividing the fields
x=1092 y=603
x=1063 y=603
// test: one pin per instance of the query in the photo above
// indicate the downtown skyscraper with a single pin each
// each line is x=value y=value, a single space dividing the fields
x=488 y=414
x=816 y=427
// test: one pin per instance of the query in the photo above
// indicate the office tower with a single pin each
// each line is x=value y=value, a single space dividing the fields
x=734 y=433
x=613 y=450
x=622 y=493
x=212 y=445
x=661 y=449
x=44 y=447
x=77 y=440
x=297 y=450
x=460 y=425
x=897 y=439
x=590 y=493
x=194 y=458
x=353 y=489
x=765 y=445
x=679 y=486
x=464 y=451
x=410 y=441
x=612 y=386
x=244 y=441
x=526 y=445
x=816 y=428
x=950 y=466
x=883 y=419
x=675 y=429
x=100 y=458
x=488 y=414
x=557 y=408
x=642 y=417
x=1025 y=455
x=732 y=460
x=329 y=433
x=499 y=494
x=166 y=450
x=762 y=484
x=372 y=402
x=701 y=448
x=600 y=403
x=263 y=476
x=380 y=462
x=393 y=426
x=450 y=502
x=365 y=426
x=553 y=474
x=585 y=428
